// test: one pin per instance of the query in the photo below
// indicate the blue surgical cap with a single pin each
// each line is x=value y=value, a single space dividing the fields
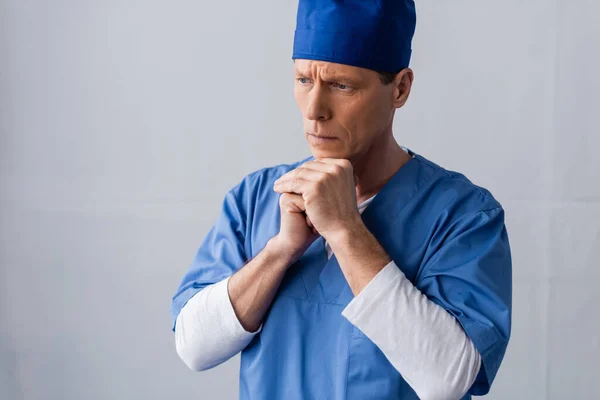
x=373 y=34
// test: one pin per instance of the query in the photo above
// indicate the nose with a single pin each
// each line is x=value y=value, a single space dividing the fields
x=317 y=109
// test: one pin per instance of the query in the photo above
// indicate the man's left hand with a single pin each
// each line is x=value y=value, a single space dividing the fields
x=328 y=188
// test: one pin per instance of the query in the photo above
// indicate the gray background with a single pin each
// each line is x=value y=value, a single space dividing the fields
x=123 y=124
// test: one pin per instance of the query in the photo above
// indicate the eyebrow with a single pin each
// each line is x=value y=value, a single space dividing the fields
x=330 y=77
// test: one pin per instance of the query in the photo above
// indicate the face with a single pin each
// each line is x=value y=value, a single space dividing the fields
x=346 y=110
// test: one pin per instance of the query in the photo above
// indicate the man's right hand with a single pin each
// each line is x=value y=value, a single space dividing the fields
x=252 y=288
x=296 y=232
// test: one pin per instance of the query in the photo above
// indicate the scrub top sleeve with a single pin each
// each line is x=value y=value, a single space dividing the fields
x=220 y=255
x=470 y=275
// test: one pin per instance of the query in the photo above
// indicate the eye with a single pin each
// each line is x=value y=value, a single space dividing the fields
x=303 y=81
x=341 y=86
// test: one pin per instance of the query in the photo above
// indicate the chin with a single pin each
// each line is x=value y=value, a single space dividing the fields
x=319 y=152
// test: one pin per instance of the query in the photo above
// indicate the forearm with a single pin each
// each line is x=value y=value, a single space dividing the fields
x=422 y=340
x=253 y=287
x=208 y=330
x=359 y=255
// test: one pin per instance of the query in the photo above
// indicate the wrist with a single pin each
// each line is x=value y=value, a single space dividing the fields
x=346 y=236
x=280 y=250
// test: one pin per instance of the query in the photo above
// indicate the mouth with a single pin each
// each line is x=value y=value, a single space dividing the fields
x=320 y=140
x=320 y=137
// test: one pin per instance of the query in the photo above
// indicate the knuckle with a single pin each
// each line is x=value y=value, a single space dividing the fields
x=320 y=184
x=336 y=170
x=284 y=199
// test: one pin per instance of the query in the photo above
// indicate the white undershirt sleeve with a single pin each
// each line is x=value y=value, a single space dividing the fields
x=207 y=331
x=424 y=342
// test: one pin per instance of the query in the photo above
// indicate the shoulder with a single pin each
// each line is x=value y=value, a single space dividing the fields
x=452 y=192
x=462 y=219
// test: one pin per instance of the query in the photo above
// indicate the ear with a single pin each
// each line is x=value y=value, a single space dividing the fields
x=402 y=85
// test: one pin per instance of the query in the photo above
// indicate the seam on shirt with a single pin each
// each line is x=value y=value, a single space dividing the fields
x=418 y=187
x=322 y=303
x=348 y=367
x=303 y=284
x=434 y=257
x=246 y=226
x=454 y=176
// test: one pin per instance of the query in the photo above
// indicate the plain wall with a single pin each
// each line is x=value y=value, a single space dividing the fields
x=123 y=124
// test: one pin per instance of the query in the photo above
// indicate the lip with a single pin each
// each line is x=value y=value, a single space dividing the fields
x=316 y=140
x=323 y=137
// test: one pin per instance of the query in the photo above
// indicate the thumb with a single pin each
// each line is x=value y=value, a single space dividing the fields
x=310 y=224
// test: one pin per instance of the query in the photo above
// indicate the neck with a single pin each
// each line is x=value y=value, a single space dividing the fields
x=374 y=168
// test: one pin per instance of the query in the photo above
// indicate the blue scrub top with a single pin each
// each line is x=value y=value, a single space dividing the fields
x=446 y=234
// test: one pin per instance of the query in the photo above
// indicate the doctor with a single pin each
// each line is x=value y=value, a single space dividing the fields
x=364 y=271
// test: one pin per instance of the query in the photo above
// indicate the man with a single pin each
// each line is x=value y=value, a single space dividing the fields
x=325 y=297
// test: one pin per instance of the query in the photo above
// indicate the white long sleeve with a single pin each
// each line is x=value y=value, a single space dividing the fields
x=207 y=331
x=424 y=342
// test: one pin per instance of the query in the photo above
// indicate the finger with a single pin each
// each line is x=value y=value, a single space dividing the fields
x=296 y=185
x=320 y=166
x=310 y=174
x=311 y=226
x=302 y=173
x=292 y=202
x=342 y=162
x=339 y=167
x=308 y=222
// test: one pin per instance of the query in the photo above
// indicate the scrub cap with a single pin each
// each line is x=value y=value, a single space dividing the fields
x=373 y=34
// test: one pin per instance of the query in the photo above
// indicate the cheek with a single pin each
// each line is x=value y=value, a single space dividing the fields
x=377 y=112
x=298 y=92
x=362 y=117
x=364 y=120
